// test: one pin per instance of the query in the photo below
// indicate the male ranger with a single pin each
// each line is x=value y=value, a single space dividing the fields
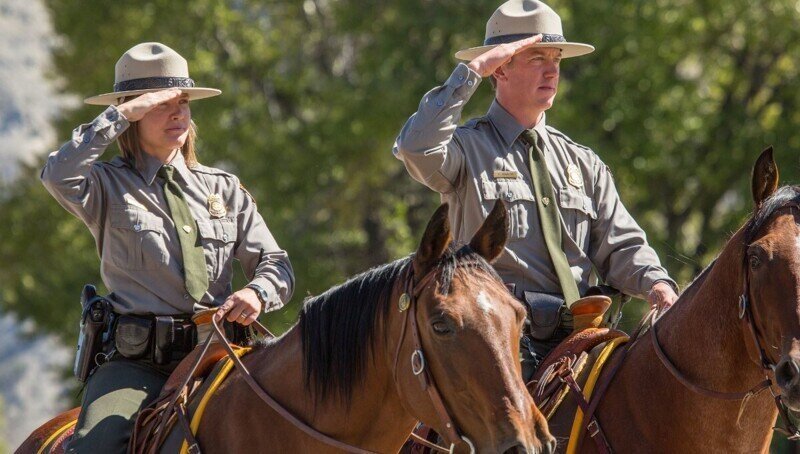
x=566 y=218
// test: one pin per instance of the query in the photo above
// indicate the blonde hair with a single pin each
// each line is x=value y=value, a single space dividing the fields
x=131 y=147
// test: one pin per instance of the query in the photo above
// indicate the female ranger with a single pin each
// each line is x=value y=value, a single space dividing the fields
x=167 y=230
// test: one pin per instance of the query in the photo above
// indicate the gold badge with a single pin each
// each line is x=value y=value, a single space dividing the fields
x=215 y=206
x=506 y=174
x=574 y=176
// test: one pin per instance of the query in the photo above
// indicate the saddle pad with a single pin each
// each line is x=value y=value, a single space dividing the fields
x=206 y=396
x=577 y=425
x=55 y=442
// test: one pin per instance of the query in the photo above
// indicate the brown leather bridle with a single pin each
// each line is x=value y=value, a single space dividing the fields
x=407 y=304
x=748 y=321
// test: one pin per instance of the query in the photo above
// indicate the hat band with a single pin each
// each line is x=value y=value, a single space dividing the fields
x=503 y=39
x=147 y=83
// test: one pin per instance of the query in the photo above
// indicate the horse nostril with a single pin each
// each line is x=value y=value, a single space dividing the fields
x=787 y=371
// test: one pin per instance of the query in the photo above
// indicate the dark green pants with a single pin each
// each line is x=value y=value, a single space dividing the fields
x=113 y=397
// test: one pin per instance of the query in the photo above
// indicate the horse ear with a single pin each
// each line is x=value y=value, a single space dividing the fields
x=490 y=239
x=765 y=176
x=434 y=242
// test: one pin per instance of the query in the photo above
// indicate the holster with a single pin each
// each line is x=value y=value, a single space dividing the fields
x=163 y=339
x=96 y=318
x=544 y=311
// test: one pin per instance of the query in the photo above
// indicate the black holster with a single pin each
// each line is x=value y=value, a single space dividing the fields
x=96 y=319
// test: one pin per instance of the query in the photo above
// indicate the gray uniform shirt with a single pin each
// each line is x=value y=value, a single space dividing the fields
x=140 y=254
x=474 y=165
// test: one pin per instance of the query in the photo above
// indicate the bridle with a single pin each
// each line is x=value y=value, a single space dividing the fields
x=407 y=304
x=755 y=340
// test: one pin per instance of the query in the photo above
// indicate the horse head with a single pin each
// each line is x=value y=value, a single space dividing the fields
x=469 y=326
x=770 y=301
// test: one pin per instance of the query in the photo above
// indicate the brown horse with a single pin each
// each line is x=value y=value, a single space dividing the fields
x=351 y=367
x=707 y=336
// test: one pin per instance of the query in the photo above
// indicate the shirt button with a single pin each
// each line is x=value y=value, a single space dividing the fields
x=440 y=103
x=86 y=138
x=470 y=82
x=545 y=201
x=186 y=296
x=118 y=126
x=137 y=227
x=224 y=237
x=509 y=195
x=461 y=77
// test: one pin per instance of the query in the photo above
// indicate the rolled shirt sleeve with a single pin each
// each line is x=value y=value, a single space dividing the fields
x=264 y=263
x=68 y=173
x=619 y=247
x=426 y=144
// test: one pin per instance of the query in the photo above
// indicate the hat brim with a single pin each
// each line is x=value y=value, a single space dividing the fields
x=568 y=50
x=113 y=98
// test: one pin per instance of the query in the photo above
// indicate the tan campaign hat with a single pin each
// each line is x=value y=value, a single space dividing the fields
x=150 y=67
x=519 y=19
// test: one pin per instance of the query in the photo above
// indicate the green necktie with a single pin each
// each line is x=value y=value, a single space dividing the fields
x=194 y=261
x=549 y=218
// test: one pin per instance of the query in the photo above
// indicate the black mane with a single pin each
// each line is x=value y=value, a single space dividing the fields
x=779 y=199
x=338 y=327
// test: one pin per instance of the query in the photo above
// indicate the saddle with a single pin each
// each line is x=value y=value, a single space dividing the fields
x=549 y=385
x=155 y=422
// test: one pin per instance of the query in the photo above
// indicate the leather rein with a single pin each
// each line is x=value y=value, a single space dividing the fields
x=747 y=318
x=407 y=304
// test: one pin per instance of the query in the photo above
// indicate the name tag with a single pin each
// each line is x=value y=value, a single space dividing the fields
x=507 y=174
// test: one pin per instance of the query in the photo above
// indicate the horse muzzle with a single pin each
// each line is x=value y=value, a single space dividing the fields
x=787 y=376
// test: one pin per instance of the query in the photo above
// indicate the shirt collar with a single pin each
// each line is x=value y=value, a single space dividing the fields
x=148 y=166
x=180 y=166
x=508 y=127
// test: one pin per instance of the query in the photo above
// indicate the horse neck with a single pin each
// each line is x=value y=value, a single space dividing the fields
x=703 y=328
x=374 y=420
x=704 y=338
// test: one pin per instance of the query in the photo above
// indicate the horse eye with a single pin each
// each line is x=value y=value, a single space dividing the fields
x=441 y=328
x=755 y=262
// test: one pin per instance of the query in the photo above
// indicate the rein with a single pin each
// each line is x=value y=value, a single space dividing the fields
x=408 y=305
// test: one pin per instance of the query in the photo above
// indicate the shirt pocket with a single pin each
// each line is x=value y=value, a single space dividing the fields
x=136 y=239
x=217 y=237
x=577 y=211
x=519 y=201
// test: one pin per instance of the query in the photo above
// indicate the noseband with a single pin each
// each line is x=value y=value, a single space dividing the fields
x=408 y=304
x=745 y=313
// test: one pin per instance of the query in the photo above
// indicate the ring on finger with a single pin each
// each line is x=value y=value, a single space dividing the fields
x=243 y=315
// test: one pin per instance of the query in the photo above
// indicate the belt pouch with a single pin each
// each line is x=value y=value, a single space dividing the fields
x=545 y=312
x=132 y=336
x=163 y=340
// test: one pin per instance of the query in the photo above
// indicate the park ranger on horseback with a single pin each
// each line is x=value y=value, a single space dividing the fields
x=568 y=225
x=167 y=230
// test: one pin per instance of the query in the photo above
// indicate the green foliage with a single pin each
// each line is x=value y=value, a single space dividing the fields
x=678 y=99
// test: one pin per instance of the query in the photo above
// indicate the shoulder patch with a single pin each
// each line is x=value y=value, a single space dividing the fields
x=241 y=186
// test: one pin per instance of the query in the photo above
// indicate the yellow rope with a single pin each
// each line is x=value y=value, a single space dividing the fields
x=223 y=373
x=55 y=435
x=577 y=425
